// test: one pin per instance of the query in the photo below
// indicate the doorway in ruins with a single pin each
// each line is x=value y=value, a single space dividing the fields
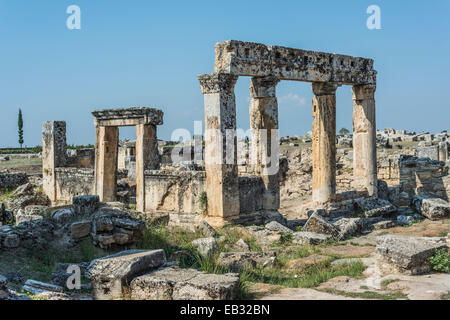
x=126 y=166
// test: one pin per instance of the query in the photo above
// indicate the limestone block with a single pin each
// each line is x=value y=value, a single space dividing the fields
x=373 y=207
x=37 y=287
x=206 y=246
x=318 y=224
x=111 y=274
x=407 y=254
x=242 y=260
x=304 y=237
x=278 y=227
x=81 y=229
x=432 y=208
x=174 y=283
x=85 y=205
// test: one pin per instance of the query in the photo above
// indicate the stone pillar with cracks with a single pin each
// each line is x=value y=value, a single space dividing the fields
x=264 y=157
x=106 y=147
x=364 y=139
x=53 y=155
x=324 y=141
x=147 y=158
x=222 y=184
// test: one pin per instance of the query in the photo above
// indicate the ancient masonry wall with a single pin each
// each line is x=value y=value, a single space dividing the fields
x=423 y=176
x=71 y=182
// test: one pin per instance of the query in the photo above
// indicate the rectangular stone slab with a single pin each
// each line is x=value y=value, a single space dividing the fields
x=258 y=60
x=111 y=274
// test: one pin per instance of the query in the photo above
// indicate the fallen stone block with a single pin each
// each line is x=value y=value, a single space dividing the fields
x=432 y=208
x=85 y=205
x=173 y=283
x=318 y=224
x=304 y=237
x=373 y=207
x=207 y=229
x=37 y=287
x=80 y=230
x=350 y=227
x=206 y=246
x=241 y=244
x=277 y=227
x=4 y=292
x=63 y=215
x=112 y=274
x=407 y=254
x=243 y=260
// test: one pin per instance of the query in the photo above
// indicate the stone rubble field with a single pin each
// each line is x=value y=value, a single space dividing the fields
x=394 y=247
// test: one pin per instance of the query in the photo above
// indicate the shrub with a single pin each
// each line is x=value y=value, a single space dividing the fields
x=441 y=261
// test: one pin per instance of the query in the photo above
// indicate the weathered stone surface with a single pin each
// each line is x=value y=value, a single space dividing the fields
x=207 y=229
x=350 y=227
x=241 y=244
x=432 y=208
x=13 y=180
x=278 y=227
x=206 y=246
x=22 y=216
x=23 y=190
x=259 y=60
x=243 y=260
x=304 y=237
x=407 y=254
x=4 y=292
x=85 y=205
x=63 y=215
x=318 y=224
x=81 y=229
x=173 y=283
x=373 y=207
x=37 y=287
x=111 y=274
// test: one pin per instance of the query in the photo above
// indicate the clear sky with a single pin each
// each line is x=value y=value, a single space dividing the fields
x=148 y=53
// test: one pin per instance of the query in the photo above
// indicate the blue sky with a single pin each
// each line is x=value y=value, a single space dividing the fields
x=148 y=53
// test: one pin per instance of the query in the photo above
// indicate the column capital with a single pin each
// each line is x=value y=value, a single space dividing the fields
x=325 y=88
x=363 y=91
x=263 y=87
x=217 y=82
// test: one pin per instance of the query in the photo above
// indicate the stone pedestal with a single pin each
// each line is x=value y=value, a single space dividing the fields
x=324 y=141
x=146 y=158
x=106 y=144
x=222 y=185
x=53 y=155
x=264 y=157
x=364 y=139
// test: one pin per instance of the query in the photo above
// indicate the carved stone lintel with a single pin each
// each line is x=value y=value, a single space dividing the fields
x=325 y=88
x=217 y=83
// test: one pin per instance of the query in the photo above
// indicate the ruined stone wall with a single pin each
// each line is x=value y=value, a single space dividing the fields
x=72 y=182
x=12 y=180
x=81 y=158
x=250 y=191
x=423 y=176
x=174 y=191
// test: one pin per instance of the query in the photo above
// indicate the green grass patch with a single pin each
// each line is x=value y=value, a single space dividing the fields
x=441 y=261
x=387 y=282
x=367 y=294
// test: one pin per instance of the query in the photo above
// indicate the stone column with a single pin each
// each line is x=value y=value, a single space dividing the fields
x=324 y=141
x=364 y=139
x=146 y=158
x=53 y=155
x=264 y=157
x=106 y=145
x=222 y=184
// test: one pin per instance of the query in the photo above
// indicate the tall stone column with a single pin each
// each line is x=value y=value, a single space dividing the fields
x=222 y=184
x=264 y=157
x=324 y=141
x=53 y=155
x=364 y=139
x=146 y=158
x=107 y=141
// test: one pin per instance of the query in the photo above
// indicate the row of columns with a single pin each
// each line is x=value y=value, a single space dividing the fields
x=220 y=116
